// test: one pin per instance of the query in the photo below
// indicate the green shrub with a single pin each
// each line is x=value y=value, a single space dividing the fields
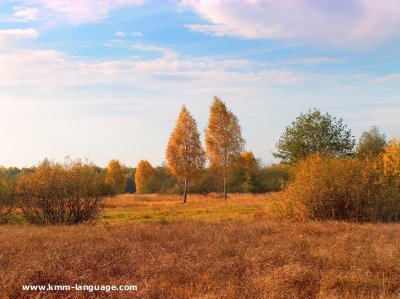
x=274 y=177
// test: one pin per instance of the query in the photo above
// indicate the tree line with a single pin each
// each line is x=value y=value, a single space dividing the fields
x=71 y=192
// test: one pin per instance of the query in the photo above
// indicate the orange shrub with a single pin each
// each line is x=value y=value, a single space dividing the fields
x=115 y=177
x=56 y=193
x=144 y=172
x=391 y=161
x=344 y=189
x=5 y=200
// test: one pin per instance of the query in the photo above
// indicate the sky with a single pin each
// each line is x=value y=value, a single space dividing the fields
x=104 y=79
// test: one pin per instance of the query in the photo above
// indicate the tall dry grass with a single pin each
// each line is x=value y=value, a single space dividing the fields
x=232 y=259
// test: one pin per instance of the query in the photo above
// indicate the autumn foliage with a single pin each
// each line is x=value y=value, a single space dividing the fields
x=323 y=175
x=391 y=161
x=56 y=193
x=143 y=174
x=224 y=140
x=115 y=177
x=326 y=187
x=185 y=156
x=5 y=200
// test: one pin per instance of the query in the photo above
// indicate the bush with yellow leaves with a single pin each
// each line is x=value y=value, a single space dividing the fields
x=5 y=200
x=56 y=193
x=391 y=161
x=326 y=187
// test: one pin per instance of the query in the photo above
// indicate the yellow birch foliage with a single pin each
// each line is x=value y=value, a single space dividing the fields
x=184 y=154
x=223 y=137
x=391 y=160
x=143 y=173
x=115 y=176
x=249 y=161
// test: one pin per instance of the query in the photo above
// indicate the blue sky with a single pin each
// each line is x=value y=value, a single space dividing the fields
x=106 y=79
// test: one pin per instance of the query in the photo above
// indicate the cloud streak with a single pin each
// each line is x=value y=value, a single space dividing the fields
x=341 y=23
x=71 y=11
x=49 y=68
x=25 y=14
x=120 y=34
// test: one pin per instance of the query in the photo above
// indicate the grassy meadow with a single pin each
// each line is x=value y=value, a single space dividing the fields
x=129 y=208
x=207 y=248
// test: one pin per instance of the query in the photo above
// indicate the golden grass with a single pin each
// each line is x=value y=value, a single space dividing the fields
x=207 y=248
x=192 y=259
x=153 y=207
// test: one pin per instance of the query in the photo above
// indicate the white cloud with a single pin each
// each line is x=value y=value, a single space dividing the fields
x=317 y=60
x=8 y=37
x=87 y=102
x=137 y=34
x=25 y=14
x=77 y=12
x=49 y=69
x=307 y=61
x=342 y=23
x=58 y=104
x=386 y=79
x=168 y=53
x=120 y=34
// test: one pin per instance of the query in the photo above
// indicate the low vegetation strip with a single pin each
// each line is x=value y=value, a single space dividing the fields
x=155 y=208
x=234 y=259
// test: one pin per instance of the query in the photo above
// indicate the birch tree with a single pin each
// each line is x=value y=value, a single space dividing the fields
x=115 y=176
x=143 y=173
x=224 y=139
x=184 y=154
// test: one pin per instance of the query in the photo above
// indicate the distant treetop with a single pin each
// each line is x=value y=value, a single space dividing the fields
x=314 y=132
x=371 y=143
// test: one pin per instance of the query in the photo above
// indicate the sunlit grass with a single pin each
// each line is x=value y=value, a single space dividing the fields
x=148 y=208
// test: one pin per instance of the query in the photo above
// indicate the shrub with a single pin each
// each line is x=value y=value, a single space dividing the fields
x=5 y=200
x=391 y=161
x=274 y=177
x=160 y=181
x=143 y=173
x=340 y=188
x=371 y=143
x=115 y=177
x=207 y=182
x=56 y=193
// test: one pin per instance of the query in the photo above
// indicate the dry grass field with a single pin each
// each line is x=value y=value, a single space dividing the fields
x=153 y=208
x=206 y=249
